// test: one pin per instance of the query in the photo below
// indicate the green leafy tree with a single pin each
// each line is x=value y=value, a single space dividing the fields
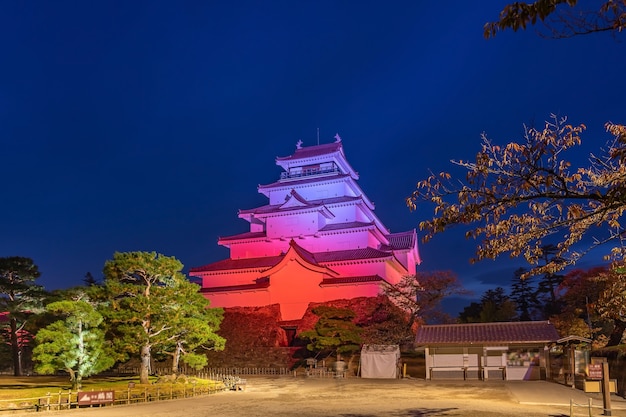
x=142 y=303
x=334 y=331
x=561 y=18
x=74 y=344
x=194 y=327
x=421 y=294
x=20 y=299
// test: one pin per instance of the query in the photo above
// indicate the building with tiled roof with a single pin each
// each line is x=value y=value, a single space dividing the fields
x=507 y=350
x=316 y=240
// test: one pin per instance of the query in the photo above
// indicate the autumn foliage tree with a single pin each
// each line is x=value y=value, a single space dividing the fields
x=517 y=196
x=420 y=295
x=594 y=305
x=561 y=18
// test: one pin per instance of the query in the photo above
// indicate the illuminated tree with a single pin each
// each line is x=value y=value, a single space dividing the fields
x=518 y=195
x=562 y=18
x=20 y=298
x=334 y=331
x=74 y=344
x=194 y=327
x=142 y=303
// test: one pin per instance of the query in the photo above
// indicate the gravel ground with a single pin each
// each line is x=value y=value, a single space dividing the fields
x=351 y=397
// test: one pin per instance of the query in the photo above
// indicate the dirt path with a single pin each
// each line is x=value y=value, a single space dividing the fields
x=353 y=397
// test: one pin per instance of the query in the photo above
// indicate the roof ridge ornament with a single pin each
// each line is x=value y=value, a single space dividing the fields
x=337 y=138
x=299 y=144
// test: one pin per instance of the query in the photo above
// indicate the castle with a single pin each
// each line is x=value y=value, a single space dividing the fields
x=316 y=240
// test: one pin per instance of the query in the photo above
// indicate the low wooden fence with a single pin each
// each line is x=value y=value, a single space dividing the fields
x=64 y=400
x=208 y=373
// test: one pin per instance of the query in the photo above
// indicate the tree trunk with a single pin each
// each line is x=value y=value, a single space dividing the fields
x=615 y=338
x=72 y=377
x=144 y=370
x=176 y=358
x=16 y=349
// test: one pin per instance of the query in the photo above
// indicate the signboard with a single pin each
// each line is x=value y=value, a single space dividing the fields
x=595 y=370
x=95 y=397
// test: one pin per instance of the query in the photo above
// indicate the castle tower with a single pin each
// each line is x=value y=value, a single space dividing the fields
x=316 y=240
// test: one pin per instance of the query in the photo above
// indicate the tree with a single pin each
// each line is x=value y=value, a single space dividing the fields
x=20 y=298
x=74 y=344
x=495 y=306
x=421 y=294
x=386 y=324
x=523 y=295
x=334 y=331
x=560 y=21
x=612 y=302
x=194 y=326
x=593 y=303
x=141 y=292
x=579 y=293
x=471 y=313
x=517 y=195
x=548 y=285
x=89 y=280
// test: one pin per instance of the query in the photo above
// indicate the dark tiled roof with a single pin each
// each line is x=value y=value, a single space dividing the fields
x=271 y=208
x=350 y=255
x=313 y=258
x=403 y=240
x=311 y=151
x=246 y=263
x=480 y=333
x=304 y=180
x=245 y=235
x=260 y=283
x=340 y=226
x=351 y=280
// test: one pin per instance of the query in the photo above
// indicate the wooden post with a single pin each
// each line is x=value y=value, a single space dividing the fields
x=606 y=389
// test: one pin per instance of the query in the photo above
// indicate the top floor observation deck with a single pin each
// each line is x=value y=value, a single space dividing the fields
x=309 y=171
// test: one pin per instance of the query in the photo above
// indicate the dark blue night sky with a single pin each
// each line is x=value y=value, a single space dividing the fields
x=147 y=125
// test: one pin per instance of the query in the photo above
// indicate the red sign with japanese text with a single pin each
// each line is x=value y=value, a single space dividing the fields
x=95 y=397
